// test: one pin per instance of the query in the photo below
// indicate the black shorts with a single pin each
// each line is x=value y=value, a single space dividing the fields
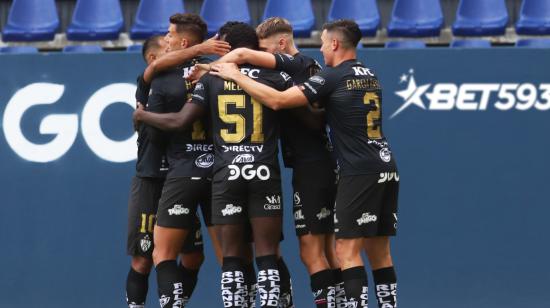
x=366 y=205
x=180 y=199
x=235 y=199
x=142 y=208
x=314 y=194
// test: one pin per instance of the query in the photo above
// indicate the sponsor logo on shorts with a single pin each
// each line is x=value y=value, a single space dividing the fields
x=205 y=160
x=273 y=202
x=298 y=215
x=164 y=300
x=297 y=200
x=230 y=209
x=145 y=243
x=243 y=159
x=177 y=210
x=248 y=172
x=388 y=177
x=324 y=213
x=385 y=155
x=366 y=218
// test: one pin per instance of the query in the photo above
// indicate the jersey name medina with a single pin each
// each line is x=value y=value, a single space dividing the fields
x=189 y=152
x=244 y=131
x=352 y=98
x=300 y=144
x=151 y=145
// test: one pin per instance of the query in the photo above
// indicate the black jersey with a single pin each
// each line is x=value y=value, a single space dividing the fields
x=352 y=98
x=300 y=144
x=151 y=158
x=244 y=131
x=189 y=152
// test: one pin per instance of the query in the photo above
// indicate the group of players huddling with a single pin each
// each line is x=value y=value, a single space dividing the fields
x=208 y=137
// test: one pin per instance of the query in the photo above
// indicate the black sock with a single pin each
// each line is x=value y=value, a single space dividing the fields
x=356 y=286
x=269 y=281
x=137 y=285
x=233 y=283
x=322 y=286
x=386 y=287
x=285 y=298
x=250 y=285
x=340 y=292
x=170 y=284
x=190 y=278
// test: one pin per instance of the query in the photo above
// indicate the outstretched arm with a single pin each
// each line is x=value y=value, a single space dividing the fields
x=212 y=46
x=291 y=98
x=250 y=56
x=170 y=121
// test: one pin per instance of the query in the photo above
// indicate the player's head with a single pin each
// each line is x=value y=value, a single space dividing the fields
x=153 y=48
x=275 y=34
x=185 y=30
x=239 y=34
x=339 y=36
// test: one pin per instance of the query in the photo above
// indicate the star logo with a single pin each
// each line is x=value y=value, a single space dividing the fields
x=412 y=95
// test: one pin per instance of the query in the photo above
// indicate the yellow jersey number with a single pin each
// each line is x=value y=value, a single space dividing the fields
x=373 y=116
x=238 y=120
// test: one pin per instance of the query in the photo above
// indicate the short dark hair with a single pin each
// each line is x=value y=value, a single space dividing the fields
x=239 y=34
x=150 y=43
x=273 y=25
x=191 y=23
x=351 y=35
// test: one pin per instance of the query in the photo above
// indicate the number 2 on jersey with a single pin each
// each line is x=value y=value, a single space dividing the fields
x=373 y=116
x=238 y=120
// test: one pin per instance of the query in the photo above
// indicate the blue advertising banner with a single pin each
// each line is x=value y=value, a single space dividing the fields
x=468 y=129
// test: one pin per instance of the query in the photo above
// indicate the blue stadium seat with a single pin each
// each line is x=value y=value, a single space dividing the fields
x=298 y=12
x=83 y=49
x=409 y=44
x=480 y=17
x=96 y=20
x=473 y=43
x=533 y=43
x=364 y=12
x=134 y=48
x=534 y=17
x=153 y=17
x=31 y=20
x=19 y=49
x=217 y=12
x=415 y=18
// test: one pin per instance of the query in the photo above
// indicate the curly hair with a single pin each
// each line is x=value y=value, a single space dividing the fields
x=239 y=34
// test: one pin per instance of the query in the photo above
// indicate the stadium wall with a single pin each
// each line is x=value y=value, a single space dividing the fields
x=469 y=129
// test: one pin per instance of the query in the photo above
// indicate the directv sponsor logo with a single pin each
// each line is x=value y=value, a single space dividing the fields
x=473 y=96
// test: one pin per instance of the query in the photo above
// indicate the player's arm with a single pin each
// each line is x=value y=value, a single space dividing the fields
x=250 y=56
x=170 y=121
x=212 y=46
x=290 y=98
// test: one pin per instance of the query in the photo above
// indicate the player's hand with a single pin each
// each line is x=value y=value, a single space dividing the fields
x=214 y=46
x=197 y=71
x=137 y=115
x=227 y=71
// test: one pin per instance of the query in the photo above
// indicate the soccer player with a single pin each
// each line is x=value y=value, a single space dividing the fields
x=246 y=183
x=366 y=200
x=145 y=193
x=188 y=181
x=305 y=149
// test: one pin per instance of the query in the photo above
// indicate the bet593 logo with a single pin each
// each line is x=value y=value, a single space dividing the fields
x=473 y=96
x=65 y=126
x=248 y=172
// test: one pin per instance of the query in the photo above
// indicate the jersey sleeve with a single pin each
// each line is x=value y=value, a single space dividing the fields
x=200 y=93
x=319 y=86
x=288 y=63
x=142 y=90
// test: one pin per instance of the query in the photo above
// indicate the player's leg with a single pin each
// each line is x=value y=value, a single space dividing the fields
x=354 y=276
x=175 y=218
x=378 y=247
x=229 y=206
x=191 y=259
x=142 y=207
